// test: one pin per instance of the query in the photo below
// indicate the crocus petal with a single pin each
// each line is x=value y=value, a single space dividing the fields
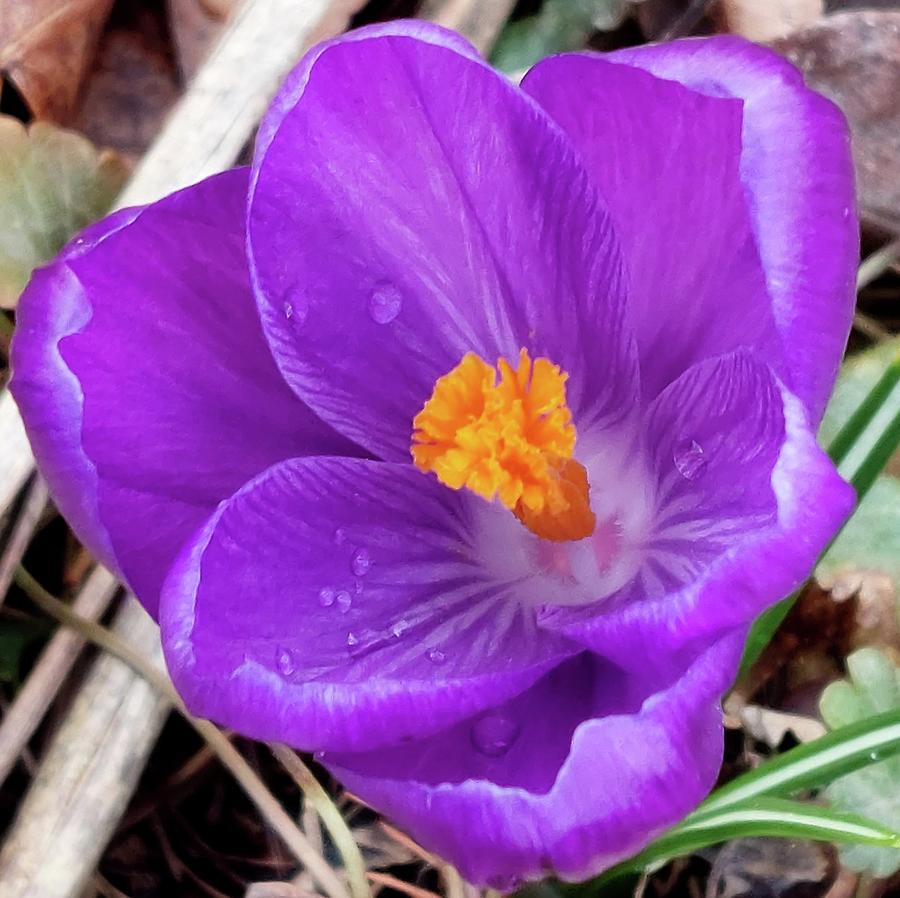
x=377 y=270
x=797 y=169
x=747 y=503
x=147 y=390
x=666 y=160
x=598 y=763
x=344 y=603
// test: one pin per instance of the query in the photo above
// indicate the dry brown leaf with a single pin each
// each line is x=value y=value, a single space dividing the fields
x=45 y=49
x=195 y=24
x=852 y=58
x=770 y=20
x=132 y=86
x=775 y=868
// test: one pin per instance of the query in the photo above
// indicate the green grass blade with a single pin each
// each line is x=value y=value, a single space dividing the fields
x=862 y=478
x=845 y=439
x=774 y=817
x=771 y=817
x=813 y=764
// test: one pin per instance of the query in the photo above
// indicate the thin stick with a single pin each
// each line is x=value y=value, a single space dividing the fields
x=230 y=757
x=331 y=818
x=392 y=882
x=877 y=264
x=481 y=21
x=29 y=515
x=16 y=461
x=50 y=671
x=210 y=126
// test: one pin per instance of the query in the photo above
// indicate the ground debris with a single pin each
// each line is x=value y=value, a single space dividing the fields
x=852 y=58
x=772 y=868
x=46 y=47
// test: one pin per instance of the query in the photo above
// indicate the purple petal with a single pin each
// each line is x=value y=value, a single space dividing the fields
x=577 y=773
x=745 y=503
x=797 y=170
x=377 y=269
x=345 y=603
x=666 y=160
x=147 y=390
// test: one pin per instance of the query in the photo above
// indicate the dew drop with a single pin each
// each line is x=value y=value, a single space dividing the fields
x=295 y=306
x=352 y=641
x=494 y=734
x=361 y=562
x=287 y=666
x=690 y=459
x=846 y=212
x=340 y=536
x=344 y=601
x=385 y=303
x=326 y=596
x=436 y=656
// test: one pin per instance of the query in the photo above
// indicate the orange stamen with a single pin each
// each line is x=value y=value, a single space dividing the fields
x=511 y=441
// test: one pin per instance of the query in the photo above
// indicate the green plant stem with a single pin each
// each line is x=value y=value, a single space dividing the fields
x=6 y=327
x=331 y=818
x=255 y=789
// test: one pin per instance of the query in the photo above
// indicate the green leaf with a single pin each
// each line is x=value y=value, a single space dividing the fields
x=771 y=817
x=52 y=184
x=813 y=764
x=861 y=429
x=873 y=688
x=871 y=539
x=561 y=25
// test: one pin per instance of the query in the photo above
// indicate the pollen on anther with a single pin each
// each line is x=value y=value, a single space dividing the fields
x=510 y=440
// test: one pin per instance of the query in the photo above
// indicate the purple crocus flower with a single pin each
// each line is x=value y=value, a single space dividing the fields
x=462 y=436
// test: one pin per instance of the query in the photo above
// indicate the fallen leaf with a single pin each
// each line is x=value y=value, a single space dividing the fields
x=770 y=727
x=52 y=183
x=195 y=24
x=45 y=48
x=772 y=868
x=767 y=21
x=852 y=58
x=872 y=688
x=133 y=84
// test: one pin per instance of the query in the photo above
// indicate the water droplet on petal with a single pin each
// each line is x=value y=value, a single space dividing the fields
x=361 y=562
x=352 y=641
x=494 y=734
x=690 y=459
x=295 y=306
x=340 y=536
x=385 y=303
x=436 y=656
x=326 y=596
x=344 y=601
x=287 y=665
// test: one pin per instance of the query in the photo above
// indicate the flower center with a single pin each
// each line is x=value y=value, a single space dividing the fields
x=511 y=441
